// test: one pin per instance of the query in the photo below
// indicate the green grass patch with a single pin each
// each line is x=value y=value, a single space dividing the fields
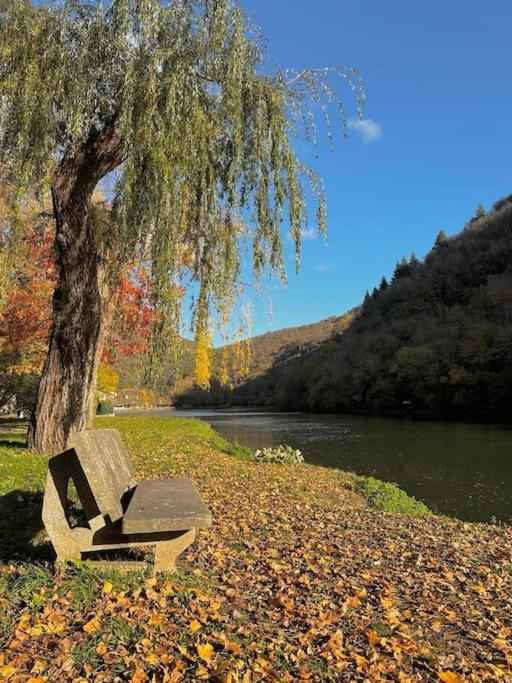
x=22 y=477
x=388 y=497
x=237 y=450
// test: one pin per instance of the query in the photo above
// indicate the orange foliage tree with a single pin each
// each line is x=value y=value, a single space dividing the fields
x=26 y=317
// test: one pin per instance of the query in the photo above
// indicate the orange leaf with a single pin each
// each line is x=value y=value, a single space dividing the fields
x=92 y=626
x=373 y=637
x=157 y=619
x=450 y=677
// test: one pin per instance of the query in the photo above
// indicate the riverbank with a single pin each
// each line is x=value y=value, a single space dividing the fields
x=457 y=469
x=298 y=579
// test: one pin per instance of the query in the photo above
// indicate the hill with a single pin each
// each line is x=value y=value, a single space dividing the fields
x=267 y=352
x=283 y=345
x=437 y=340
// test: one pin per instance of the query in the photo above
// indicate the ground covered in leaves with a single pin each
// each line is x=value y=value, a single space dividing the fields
x=299 y=579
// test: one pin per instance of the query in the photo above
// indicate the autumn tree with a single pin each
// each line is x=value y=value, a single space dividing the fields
x=175 y=103
x=107 y=379
x=26 y=315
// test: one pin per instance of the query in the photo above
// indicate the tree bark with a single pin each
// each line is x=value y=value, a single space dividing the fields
x=81 y=303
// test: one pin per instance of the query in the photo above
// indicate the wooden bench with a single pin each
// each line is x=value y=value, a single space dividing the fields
x=117 y=511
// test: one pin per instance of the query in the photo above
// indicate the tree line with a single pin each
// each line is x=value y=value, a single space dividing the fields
x=434 y=340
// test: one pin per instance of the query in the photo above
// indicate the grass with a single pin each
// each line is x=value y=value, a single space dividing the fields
x=302 y=577
x=383 y=495
x=22 y=475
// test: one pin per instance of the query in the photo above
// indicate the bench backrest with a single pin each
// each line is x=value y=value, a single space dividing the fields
x=107 y=467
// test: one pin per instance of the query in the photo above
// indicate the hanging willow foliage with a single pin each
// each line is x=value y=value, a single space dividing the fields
x=205 y=131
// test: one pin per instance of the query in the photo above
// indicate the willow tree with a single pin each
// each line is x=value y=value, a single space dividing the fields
x=172 y=99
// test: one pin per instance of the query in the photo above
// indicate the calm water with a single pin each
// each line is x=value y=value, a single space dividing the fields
x=461 y=470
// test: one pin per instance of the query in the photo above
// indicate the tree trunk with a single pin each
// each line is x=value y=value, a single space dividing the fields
x=81 y=303
x=66 y=388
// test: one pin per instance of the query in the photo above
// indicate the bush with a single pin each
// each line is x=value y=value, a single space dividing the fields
x=283 y=455
x=383 y=495
x=105 y=408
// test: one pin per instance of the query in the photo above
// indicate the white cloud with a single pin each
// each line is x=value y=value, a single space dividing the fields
x=369 y=129
x=306 y=234
x=323 y=267
x=309 y=233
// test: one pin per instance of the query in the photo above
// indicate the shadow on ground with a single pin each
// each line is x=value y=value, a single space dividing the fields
x=11 y=444
x=22 y=534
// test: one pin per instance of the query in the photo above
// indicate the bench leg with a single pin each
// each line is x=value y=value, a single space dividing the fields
x=68 y=555
x=166 y=552
x=70 y=546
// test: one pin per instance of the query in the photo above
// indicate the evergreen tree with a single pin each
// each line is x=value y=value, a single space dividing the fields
x=383 y=284
x=441 y=239
x=396 y=272
x=479 y=212
x=414 y=262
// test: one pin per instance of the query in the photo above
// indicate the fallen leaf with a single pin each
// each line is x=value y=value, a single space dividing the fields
x=450 y=677
x=92 y=626
x=205 y=651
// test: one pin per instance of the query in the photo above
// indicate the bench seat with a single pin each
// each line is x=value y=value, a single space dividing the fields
x=161 y=505
x=118 y=512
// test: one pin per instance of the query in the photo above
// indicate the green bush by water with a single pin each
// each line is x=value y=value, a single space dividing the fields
x=383 y=495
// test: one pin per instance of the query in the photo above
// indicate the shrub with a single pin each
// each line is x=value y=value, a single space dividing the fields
x=383 y=495
x=283 y=455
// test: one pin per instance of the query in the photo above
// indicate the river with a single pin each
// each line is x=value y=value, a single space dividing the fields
x=461 y=470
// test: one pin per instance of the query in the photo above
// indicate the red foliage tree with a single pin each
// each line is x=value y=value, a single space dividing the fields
x=26 y=318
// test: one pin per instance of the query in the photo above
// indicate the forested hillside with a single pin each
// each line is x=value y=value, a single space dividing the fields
x=262 y=354
x=436 y=340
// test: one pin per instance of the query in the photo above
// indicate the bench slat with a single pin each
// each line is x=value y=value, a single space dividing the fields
x=165 y=505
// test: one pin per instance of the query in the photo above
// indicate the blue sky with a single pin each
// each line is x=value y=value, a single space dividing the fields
x=437 y=75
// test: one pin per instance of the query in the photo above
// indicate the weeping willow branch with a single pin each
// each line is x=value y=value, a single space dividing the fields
x=176 y=98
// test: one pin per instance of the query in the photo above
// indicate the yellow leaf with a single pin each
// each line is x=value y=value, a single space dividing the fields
x=101 y=649
x=7 y=671
x=194 y=625
x=36 y=680
x=206 y=651
x=55 y=628
x=450 y=677
x=35 y=630
x=107 y=588
x=202 y=673
x=437 y=625
x=157 y=619
x=92 y=626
